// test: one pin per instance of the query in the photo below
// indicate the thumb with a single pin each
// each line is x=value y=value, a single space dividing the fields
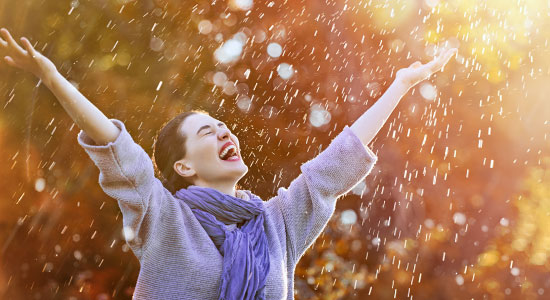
x=416 y=64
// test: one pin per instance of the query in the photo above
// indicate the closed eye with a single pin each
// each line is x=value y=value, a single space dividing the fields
x=208 y=126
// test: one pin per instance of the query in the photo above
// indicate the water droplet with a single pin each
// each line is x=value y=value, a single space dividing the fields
x=348 y=217
x=274 y=50
x=205 y=27
x=459 y=218
x=229 y=51
x=428 y=91
x=39 y=184
x=285 y=70
x=128 y=233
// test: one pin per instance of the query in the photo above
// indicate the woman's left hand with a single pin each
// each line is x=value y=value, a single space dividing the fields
x=417 y=72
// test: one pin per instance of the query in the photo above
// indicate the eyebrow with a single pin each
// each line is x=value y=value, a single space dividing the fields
x=208 y=126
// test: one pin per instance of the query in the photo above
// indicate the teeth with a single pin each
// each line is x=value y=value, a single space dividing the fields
x=226 y=150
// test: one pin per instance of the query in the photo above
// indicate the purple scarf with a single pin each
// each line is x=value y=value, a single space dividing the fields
x=244 y=250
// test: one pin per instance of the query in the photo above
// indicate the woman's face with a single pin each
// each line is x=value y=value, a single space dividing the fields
x=206 y=137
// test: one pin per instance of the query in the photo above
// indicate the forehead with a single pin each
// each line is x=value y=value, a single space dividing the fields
x=193 y=122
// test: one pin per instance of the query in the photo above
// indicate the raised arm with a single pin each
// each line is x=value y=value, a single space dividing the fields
x=309 y=201
x=371 y=121
x=86 y=115
x=126 y=170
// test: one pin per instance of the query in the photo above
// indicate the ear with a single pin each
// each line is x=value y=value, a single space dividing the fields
x=183 y=168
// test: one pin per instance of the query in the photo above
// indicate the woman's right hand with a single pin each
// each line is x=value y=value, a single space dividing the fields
x=27 y=59
x=83 y=112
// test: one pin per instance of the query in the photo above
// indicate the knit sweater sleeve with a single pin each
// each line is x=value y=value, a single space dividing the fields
x=126 y=174
x=308 y=203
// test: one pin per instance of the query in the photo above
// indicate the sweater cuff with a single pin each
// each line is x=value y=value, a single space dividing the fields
x=369 y=153
x=106 y=155
x=89 y=144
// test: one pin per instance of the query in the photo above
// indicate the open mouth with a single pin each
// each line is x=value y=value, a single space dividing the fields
x=229 y=154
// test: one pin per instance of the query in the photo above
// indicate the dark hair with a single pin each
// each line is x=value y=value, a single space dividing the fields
x=169 y=147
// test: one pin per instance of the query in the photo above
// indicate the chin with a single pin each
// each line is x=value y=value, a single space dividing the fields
x=245 y=169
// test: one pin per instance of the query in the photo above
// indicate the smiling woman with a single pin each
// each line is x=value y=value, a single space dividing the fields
x=196 y=235
x=187 y=151
x=210 y=242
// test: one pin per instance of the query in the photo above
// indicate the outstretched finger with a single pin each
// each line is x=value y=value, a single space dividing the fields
x=10 y=61
x=28 y=46
x=448 y=54
x=3 y=43
x=446 y=57
x=7 y=36
x=442 y=60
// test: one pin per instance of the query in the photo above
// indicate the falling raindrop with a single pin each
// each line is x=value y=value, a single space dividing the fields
x=241 y=4
x=459 y=279
x=319 y=116
x=205 y=27
x=39 y=184
x=77 y=254
x=428 y=91
x=504 y=222
x=229 y=88
x=229 y=51
x=274 y=50
x=429 y=223
x=285 y=70
x=459 y=218
x=219 y=78
x=156 y=44
x=359 y=188
x=348 y=217
x=128 y=233
x=244 y=103
x=259 y=36
x=432 y=3
x=397 y=45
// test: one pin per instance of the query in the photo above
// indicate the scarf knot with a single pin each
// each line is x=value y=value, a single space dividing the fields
x=244 y=249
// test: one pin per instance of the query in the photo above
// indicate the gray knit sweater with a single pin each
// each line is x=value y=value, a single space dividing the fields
x=178 y=260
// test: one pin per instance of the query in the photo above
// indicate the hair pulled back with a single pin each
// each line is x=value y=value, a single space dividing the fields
x=169 y=147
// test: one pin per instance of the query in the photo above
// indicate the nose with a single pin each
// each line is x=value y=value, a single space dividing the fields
x=224 y=133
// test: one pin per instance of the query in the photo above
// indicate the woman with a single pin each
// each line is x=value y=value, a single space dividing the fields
x=197 y=236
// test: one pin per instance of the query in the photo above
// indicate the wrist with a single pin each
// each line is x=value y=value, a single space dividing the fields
x=48 y=77
x=401 y=84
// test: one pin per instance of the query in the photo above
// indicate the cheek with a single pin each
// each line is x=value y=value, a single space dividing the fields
x=204 y=153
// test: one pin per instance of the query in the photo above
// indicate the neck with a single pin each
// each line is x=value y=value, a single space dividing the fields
x=226 y=188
